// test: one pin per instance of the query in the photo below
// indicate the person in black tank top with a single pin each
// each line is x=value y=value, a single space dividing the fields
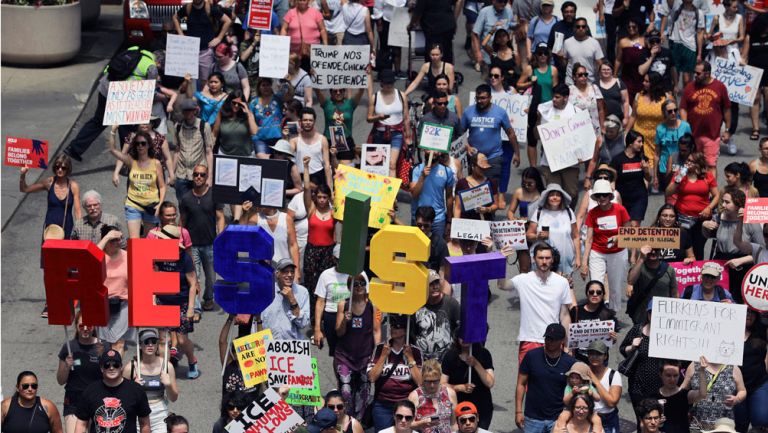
x=436 y=62
x=26 y=412
x=760 y=179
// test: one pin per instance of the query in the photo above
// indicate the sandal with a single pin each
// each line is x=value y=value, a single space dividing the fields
x=755 y=135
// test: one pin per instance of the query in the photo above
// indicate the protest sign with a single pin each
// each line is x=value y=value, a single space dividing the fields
x=398 y=30
x=474 y=230
x=656 y=237
x=375 y=159
x=266 y=414
x=289 y=362
x=688 y=275
x=684 y=329
x=129 y=102
x=436 y=137
x=260 y=181
x=260 y=14
x=338 y=138
x=273 y=56
x=754 y=288
x=340 y=66
x=580 y=334
x=26 y=152
x=756 y=210
x=476 y=197
x=304 y=396
x=742 y=81
x=381 y=189
x=182 y=55
x=251 y=354
x=568 y=142
x=515 y=105
x=509 y=233
x=459 y=153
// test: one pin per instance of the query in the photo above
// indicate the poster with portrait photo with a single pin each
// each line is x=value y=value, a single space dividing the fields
x=338 y=138
x=375 y=159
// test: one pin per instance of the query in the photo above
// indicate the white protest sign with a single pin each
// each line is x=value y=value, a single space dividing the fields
x=375 y=159
x=289 y=362
x=182 y=55
x=515 y=106
x=568 y=142
x=273 y=56
x=459 y=153
x=754 y=288
x=476 y=197
x=436 y=137
x=580 y=334
x=398 y=30
x=685 y=329
x=742 y=82
x=340 y=67
x=267 y=413
x=129 y=102
x=509 y=234
x=474 y=230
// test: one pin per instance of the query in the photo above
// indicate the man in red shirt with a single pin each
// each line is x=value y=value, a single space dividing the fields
x=705 y=105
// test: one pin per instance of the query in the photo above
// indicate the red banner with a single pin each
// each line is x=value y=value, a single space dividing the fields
x=260 y=14
x=21 y=152
x=756 y=210
x=688 y=275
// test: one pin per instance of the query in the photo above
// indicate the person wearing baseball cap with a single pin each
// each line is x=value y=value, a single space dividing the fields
x=608 y=383
x=467 y=418
x=113 y=403
x=324 y=421
x=288 y=313
x=708 y=289
x=331 y=286
x=433 y=335
x=541 y=380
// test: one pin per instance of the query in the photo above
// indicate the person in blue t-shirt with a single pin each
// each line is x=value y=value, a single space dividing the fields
x=484 y=121
x=432 y=186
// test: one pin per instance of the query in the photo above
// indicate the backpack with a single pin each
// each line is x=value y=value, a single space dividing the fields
x=202 y=133
x=688 y=292
x=677 y=15
x=121 y=66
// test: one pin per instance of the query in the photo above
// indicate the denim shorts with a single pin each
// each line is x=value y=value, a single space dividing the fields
x=133 y=214
x=396 y=142
x=262 y=146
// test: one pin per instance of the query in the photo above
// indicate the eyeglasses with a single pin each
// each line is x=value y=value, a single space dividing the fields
x=111 y=364
x=595 y=292
x=94 y=205
x=198 y=174
x=531 y=183
x=603 y=195
x=151 y=341
x=233 y=407
x=26 y=386
x=60 y=167
x=431 y=382
x=358 y=284
x=403 y=417
x=581 y=409
x=423 y=225
x=81 y=326
x=654 y=41
x=441 y=103
x=339 y=406
x=583 y=26
x=140 y=143
x=672 y=110
x=542 y=53
x=467 y=419
x=582 y=74
x=495 y=75
x=603 y=177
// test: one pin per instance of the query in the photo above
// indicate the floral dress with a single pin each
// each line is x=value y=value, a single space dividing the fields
x=587 y=103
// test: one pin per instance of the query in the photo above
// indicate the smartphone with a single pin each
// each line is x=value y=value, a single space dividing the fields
x=434 y=418
x=545 y=228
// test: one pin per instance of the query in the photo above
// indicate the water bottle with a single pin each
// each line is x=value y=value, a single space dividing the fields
x=681 y=174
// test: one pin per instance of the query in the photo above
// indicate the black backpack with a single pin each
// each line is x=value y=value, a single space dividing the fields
x=688 y=292
x=122 y=65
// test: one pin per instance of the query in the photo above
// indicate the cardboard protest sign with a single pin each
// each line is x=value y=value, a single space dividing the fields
x=756 y=210
x=251 y=354
x=580 y=334
x=260 y=14
x=26 y=152
x=436 y=137
x=375 y=159
x=476 y=197
x=685 y=329
x=266 y=414
x=509 y=233
x=129 y=102
x=688 y=275
x=273 y=56
x=307 y=396
x=381 y=189
x=338 y=138
x=656 y=237
x=459 y=152
x=742 y=81
x=238 y=178
x=754 y=288
x=474 y=230
x=289 y=362
x=515 y=105
x=340 y=66
x=182 y=55
x=568 y=142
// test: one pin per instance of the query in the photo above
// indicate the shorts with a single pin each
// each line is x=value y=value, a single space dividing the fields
x=636 y=206
x=262 y=146
x=471 y=10
x=710 y=148
x=133 y=214
x=185 y=325
x=396 y=140
x=685 y=59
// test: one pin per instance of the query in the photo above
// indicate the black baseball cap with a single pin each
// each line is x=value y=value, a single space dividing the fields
x=555 y=331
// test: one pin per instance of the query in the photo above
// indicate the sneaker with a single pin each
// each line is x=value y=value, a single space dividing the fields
x=173 y=356
x=72 y=154
x=208 y=305
x=654 y=190
x=193 y=372
x=44 y=313
x=400 y=75
x=731 y=145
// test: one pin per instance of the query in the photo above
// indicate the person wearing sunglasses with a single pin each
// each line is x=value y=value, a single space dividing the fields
x=583 y=49
x=160 y=144
x=434 y=401
x=668 y=134
x=344 y=422
x=232 y=405
x=26 y=412
x=630 y=51
x=658 y=58
x=157 y=378
x=403 y=416
x=113 y=403
x=78 y=370
x=467 y=418
x=592 y=308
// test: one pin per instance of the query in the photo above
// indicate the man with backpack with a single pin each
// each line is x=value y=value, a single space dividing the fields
x=649 y=277
x=194 y=145
x=131 y=64
x=208 y=22
x=687 y=25
x=708 y=290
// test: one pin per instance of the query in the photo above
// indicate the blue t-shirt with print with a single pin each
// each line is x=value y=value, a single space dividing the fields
x=268 y=117
x=485 y=128
x=433 y=191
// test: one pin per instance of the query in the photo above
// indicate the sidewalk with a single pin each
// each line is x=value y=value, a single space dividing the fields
x=45 y=103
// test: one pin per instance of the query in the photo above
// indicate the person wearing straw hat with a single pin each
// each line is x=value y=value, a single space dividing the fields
x=282 y=151
x=156 y=376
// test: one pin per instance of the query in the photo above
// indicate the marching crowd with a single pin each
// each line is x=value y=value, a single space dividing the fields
x=660 y=120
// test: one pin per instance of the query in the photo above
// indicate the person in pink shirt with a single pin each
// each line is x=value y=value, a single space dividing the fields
x=168 y=215
x=117 y=330
x=305 y=26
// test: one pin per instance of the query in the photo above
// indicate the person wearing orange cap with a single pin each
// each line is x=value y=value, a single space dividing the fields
x=467 y=418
